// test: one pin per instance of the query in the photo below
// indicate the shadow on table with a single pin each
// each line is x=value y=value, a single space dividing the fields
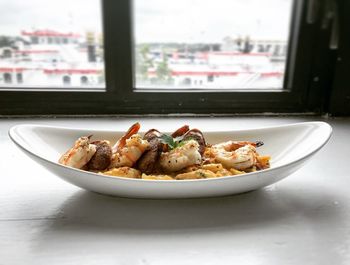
x=88 y=210
x=87 y=221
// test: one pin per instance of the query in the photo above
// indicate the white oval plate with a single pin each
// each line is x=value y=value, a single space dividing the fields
x=290 y=146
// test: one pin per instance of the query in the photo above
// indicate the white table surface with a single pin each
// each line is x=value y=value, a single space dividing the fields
x=303 y=219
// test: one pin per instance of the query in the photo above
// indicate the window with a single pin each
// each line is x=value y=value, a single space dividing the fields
x=50 y=41
x=34 y=39
x=19 y=78
x=269 y=56
x=84 y=81
x=173 y=42
x=66 y=80
x=339 y=103
x=7 y=78
x=7 y=53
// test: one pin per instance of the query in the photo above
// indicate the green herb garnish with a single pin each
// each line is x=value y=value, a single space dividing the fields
x=173 y=142
x=167 y=139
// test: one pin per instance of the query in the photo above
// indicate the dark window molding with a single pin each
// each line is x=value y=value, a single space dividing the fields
x=339 y=104
x=300 y=94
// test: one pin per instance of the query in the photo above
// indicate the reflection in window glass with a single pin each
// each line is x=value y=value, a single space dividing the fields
x=211 y=43
x=53 y=44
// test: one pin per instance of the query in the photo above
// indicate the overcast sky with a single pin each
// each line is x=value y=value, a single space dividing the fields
x=211 y=20
x=156 y=20
x=66 y=15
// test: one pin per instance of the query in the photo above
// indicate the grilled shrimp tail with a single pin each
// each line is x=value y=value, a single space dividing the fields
x=122 y=141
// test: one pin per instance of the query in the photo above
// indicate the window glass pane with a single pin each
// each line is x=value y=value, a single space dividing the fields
x=211 y=43
x=56 y=43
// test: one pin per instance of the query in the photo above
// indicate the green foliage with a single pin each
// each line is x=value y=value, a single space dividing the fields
x=143 y=62
x=173 y=142
x=5 y=41
x=163 y=71
x=168 y=140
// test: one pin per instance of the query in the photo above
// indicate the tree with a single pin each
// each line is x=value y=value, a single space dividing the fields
x=163 y=71
x=143 y=62
x=6 y=41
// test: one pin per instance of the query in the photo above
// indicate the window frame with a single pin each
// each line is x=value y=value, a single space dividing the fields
x=121 y=97
x=339 y=104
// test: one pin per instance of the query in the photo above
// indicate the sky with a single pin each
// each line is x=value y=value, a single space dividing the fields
x=211 y=20
x=156 y=20
x=66 y=15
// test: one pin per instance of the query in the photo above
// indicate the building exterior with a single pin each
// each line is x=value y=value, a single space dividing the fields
x=224 y=70
x=47 y=58
x=51 y=58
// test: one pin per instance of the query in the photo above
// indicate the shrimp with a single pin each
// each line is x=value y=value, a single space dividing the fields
x=183 y=156
x=80 y=154
x=196 y=135
x=181 y=131
x=184 y=134
x=234 y=145
x=134 y=129
x=230 y=155
x=128 y=148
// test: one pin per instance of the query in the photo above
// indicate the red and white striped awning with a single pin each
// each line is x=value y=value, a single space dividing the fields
x=71 y=71
x=218 y=73
x=11 y=70
x=50 y=33
x=50 y=71
x=36 y=51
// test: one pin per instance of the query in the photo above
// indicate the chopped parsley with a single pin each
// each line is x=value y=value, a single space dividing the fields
x=174 y=142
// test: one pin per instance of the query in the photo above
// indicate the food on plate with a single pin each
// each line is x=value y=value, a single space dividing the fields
x=80 y=154
x=102 y=157
x=182 y=155
x=148 y=160
x=127 y=172
x=129 y=148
